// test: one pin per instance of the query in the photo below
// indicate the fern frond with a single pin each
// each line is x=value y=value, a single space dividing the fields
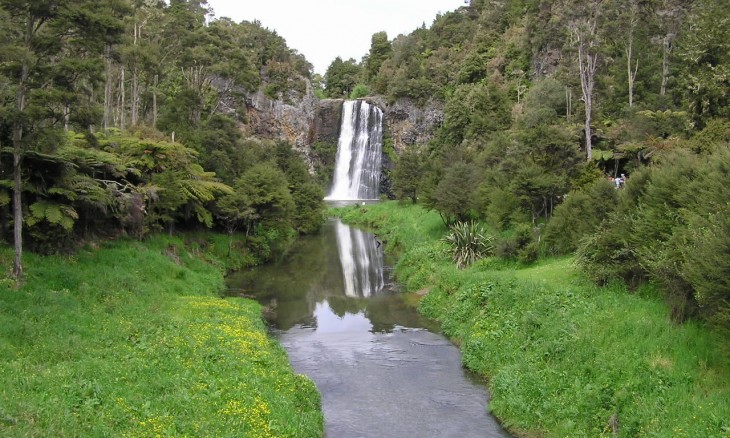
x=58 y=214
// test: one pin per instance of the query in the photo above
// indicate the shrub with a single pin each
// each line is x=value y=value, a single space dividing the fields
x=469 y=242
x=607 y=255
x=506 y=248
x=579 y=215
x=360 y=91
x=530 y=253
x=523 y=234
x=707 y=265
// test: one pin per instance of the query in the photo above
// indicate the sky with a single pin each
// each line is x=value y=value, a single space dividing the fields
x=324 y=29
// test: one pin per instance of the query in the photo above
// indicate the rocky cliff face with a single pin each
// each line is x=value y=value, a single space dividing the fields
x=277 y=120
x=326 y=126
x=308 y=120
x=407 y=124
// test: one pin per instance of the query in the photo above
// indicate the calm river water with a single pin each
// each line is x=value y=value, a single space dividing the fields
x=382 y=369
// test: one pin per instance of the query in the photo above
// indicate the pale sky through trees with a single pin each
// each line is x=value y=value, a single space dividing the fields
x=325 y=29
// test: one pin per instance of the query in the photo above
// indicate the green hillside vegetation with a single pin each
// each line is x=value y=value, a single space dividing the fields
x=111 y=123
x=547 y=103
x=132 y=339
x=122 y=122
x=563 y=356
x=595 y=307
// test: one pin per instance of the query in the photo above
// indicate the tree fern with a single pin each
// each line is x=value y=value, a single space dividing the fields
x=54 y=213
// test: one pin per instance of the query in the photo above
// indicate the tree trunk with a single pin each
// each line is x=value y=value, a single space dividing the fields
x=18 y=182
x=633 y=22
x=108 y=87
x=122 y=102
x=154 y=102
x=666 y=50
x=135 y=98
x=632 y=73
x=66 y=117
x=589 y=134
x=18 y=209
x=587 y=63
x=632 y=79
x=20 y=97
x=135 y=86
x=671 y=15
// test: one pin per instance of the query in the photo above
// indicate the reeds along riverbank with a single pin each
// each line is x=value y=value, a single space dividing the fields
x=563 y=357
x=132 y=339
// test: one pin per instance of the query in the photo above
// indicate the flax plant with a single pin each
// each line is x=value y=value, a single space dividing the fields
x=468 y=243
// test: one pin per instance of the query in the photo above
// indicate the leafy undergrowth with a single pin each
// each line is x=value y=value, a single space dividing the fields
x=563 y=357
x=130 y=339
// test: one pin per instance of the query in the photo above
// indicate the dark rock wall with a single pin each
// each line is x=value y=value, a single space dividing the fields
x=408 y=124
x=326 y=127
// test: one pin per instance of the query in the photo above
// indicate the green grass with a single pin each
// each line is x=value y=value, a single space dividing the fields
x=131 y=339
x=563 y=357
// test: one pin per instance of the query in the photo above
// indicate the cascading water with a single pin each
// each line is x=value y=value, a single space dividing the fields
x=362 y=261
x=359 y=150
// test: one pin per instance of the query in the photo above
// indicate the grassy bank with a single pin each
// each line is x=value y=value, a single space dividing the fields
x=131 y=339
x=563 y=357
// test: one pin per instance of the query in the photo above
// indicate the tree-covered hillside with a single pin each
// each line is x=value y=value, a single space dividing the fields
x=112 y=120
x=598 y=126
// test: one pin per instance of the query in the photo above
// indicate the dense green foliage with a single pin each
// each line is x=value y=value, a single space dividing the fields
x=341 y=78
x=122 y=116
x=131 y=339
x=543 y=101
x=110 y=183
x=668 y=225
x=563 y=357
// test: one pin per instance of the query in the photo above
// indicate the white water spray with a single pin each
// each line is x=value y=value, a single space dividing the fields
x=359 y=152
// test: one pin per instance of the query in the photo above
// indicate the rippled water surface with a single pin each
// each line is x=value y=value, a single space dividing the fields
x=382 y=369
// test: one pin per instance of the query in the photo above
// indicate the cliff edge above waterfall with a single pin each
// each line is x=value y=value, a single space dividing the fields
x=306 y=120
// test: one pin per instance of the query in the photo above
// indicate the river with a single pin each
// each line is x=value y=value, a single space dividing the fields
x=382 y=369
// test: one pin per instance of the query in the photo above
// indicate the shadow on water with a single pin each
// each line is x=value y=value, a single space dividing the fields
x=383 y=369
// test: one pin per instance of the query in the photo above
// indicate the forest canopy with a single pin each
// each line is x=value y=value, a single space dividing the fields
x=597 y=126
x=566 y=126
x=111 y=121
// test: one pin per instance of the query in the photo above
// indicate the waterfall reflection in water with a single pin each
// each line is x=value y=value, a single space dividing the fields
x=361 y=260
x=382 y=369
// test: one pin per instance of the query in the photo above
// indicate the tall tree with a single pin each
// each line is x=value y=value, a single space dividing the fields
x=407 y=174
x=670 y=14
x=632 y=18
x=583 y=20
x=380 y=49
x=38 y=65
x=341 y=77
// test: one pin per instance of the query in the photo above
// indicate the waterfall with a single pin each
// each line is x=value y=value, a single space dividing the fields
x=362 y=261
x=359 y=149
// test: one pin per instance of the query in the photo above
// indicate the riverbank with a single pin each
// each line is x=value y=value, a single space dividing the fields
x=132 y=339
x=563 y=357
